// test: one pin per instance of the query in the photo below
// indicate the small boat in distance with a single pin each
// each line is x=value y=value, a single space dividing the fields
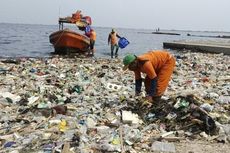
x=68 y=41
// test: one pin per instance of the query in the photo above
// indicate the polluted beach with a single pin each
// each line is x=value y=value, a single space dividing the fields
x=88 y=105
x=86 y=80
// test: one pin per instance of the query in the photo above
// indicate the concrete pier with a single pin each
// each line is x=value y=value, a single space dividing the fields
x=205 y=46
x=165 y=33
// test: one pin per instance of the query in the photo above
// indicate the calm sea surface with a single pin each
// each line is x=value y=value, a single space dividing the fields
x=25 y=40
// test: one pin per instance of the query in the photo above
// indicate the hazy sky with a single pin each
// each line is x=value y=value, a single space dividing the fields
x=147 y=14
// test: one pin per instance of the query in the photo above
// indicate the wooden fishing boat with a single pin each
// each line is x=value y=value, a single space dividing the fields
x=66 y=40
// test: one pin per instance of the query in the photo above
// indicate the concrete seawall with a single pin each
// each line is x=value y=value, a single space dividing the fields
x=208 y=47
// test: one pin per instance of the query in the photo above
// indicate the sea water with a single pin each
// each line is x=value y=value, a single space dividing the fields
x=27 y=40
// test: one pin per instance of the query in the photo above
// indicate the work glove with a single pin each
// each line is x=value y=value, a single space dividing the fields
x=138 y=84
x=148 y=102
x=149 y=99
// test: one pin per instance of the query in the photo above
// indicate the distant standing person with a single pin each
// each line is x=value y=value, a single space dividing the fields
x=93 y=36
x=112 y=39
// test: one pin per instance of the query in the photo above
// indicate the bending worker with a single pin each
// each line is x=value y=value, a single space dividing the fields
x=158 y=67
x=112 y=39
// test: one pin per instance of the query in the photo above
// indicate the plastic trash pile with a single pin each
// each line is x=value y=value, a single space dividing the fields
x=88 y=105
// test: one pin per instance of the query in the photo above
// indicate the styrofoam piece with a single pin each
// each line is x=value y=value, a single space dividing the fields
x=129 y=117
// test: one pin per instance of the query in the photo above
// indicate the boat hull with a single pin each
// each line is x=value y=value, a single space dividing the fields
x=65 y=41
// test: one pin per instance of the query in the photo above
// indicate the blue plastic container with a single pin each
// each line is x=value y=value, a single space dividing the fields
x=123 y=42
x=87 y=29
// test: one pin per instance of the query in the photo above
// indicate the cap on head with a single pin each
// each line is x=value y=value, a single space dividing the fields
x=128 y=59
x=113 y=30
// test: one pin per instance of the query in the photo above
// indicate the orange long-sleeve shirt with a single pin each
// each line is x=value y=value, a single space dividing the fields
x=93 y=35
x=155 y=60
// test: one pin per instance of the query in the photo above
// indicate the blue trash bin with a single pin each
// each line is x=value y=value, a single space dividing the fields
x=123 y=42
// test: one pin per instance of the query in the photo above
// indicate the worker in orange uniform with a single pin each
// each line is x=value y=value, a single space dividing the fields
x=93 y=36
x=112 y=39
x=158 y=67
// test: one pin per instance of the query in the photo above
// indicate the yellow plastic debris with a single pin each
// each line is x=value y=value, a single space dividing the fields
x=116 y=140
x=62 y=126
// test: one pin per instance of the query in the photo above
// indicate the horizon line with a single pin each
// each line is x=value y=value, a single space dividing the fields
x=124 y=27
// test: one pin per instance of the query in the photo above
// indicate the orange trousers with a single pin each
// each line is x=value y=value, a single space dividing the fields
x=163 y=77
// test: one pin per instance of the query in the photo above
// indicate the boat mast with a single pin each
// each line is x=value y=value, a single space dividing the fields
x=59 y=15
